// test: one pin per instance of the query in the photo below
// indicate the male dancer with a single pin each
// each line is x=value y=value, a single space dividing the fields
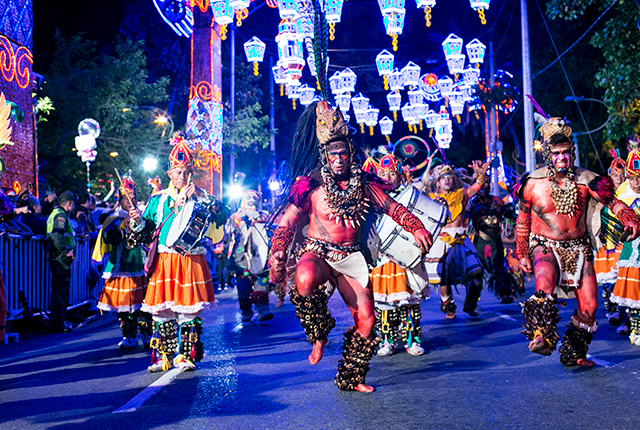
x=452 y=259
x=553 y=230
x=335 y=197
x=180 y=287
x=123 y=273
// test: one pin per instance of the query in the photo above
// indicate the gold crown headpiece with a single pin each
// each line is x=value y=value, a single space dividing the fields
x=555 y=126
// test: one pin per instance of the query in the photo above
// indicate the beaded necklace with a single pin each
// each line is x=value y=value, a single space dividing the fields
x=565 y=199
x=347 y=205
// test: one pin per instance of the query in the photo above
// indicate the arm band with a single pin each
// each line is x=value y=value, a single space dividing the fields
x=626 y=215
x=523 y=230
x=406 y=219
x=282 y=237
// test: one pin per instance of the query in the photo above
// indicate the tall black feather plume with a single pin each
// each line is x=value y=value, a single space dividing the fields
x=320 y=46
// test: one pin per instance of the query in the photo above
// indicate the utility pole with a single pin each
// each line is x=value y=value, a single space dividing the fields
x=530 y=157
x=495 y=188
x=232 y=99
x=272 y=115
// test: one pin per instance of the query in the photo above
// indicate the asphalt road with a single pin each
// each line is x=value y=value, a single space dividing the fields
x=476 y=374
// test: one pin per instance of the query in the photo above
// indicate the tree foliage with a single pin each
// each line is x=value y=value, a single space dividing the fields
x=111 y=86
x=619 y=41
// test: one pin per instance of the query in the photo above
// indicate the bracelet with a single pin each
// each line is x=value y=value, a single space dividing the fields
x=282 y=237
x=626 y=215
x=406 y=219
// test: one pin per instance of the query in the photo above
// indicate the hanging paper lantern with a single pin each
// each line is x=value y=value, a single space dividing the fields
x=452 y=45
x=467 y=91
x=290 y=50
x=361 y=117
x=279 y=77
x=223 y=15
x=429 y=86
x=333 y=10
x=346 y=117
x=240 y=7
x=455 y=64
x=306 y=94
x=396 y=80
x=393 y=24
x=415 y=97
x=343 y=101
x=386 y=126
x=471 y=75
x=293 y=93
x=411 y=74
x=391 y=6
x=445 y=85
x=360 y=103
x=409 y=113
x=384 y=64
x=371 y=119
x=287 y=8
x=426 y=5
x=254 y=50
x=432 y=118
x=444 y=133
x=480 y=6
x=335 y=82
x=475 y=52
x=456 y=101
x=349 y=79
x=395 y=100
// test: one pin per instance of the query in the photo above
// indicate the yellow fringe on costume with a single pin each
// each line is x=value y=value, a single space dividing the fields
x=180 y=283
x=122 y=294
x=389 y=283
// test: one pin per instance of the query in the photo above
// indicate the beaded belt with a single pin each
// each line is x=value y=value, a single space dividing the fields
x=328 y=250
x=566 y=249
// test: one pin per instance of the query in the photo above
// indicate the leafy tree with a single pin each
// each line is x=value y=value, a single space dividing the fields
x=619 y=41
x=112 y=87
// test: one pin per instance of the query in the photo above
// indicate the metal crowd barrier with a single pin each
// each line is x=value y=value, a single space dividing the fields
x=25 y=268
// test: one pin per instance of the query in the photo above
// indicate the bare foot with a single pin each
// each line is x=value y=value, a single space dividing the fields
x=539 y=346
x=584 y=362
x=364 y=388
x=316 y=353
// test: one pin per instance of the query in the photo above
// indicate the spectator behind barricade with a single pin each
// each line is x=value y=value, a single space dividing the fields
x=32 y=216
x=48 y=202
x=62 y=247
x=6 y=210
x=11 y=222
x=84 y=215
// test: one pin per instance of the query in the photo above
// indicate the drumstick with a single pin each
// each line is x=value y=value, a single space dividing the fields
x=125 y=191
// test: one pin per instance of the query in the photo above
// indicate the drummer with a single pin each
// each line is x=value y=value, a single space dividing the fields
x=252 y=290
x=180 y=286
x=397 y=292
x=452 y=260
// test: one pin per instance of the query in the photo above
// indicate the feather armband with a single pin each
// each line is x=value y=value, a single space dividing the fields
x=406 y=219
x=523 y=230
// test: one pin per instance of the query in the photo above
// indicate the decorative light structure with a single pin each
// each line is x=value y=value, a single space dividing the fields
x=361 y=117
x=386 y=127
x=344 y=102
x=452 y=45
x=415 y=97
x=88 y=132
x=456 y=101
x=409 y=115
x=254 y=50
x=480 y=6
x=371 y=119
x=293 y=93
x=333 y=10
x=432 y=118
x=455 y=64
x=429 y=86
x=306 y=94
x=290 y=50
x=426 y=5
x=395 y=100
x=223 y=15
x=393 y=12
x=335 y=82
x=444 y=133
x=411 y=74
x=349 y=79
x=287 y=8
x=384 y=64
x=475 y=52
x=445 y=85
x=470 y=75
x=240 y=7
x=279 y=77
x=396 y=80
x=360 y=103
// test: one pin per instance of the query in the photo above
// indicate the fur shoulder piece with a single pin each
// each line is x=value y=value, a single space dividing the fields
x=301 y=189
x=519 y=186
x=604 y=188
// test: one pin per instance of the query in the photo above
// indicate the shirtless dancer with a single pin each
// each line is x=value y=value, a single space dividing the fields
x=336 y=197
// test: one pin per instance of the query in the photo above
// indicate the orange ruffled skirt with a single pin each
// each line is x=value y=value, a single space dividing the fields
x=179 y=283
x=604 y=264
x=389 y=283
x=122 y=294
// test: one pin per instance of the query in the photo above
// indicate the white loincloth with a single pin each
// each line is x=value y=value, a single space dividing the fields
x=354 y=266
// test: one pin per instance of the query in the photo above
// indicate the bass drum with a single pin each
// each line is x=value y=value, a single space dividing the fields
x=257 y=248
x=188 y=227
x=396 y=243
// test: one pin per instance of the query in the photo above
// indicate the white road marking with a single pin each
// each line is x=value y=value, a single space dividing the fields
x=599 y=362
x=507 y=317
x=146 y=394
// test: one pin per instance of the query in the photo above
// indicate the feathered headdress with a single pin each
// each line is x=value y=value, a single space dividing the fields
x=617 y=165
